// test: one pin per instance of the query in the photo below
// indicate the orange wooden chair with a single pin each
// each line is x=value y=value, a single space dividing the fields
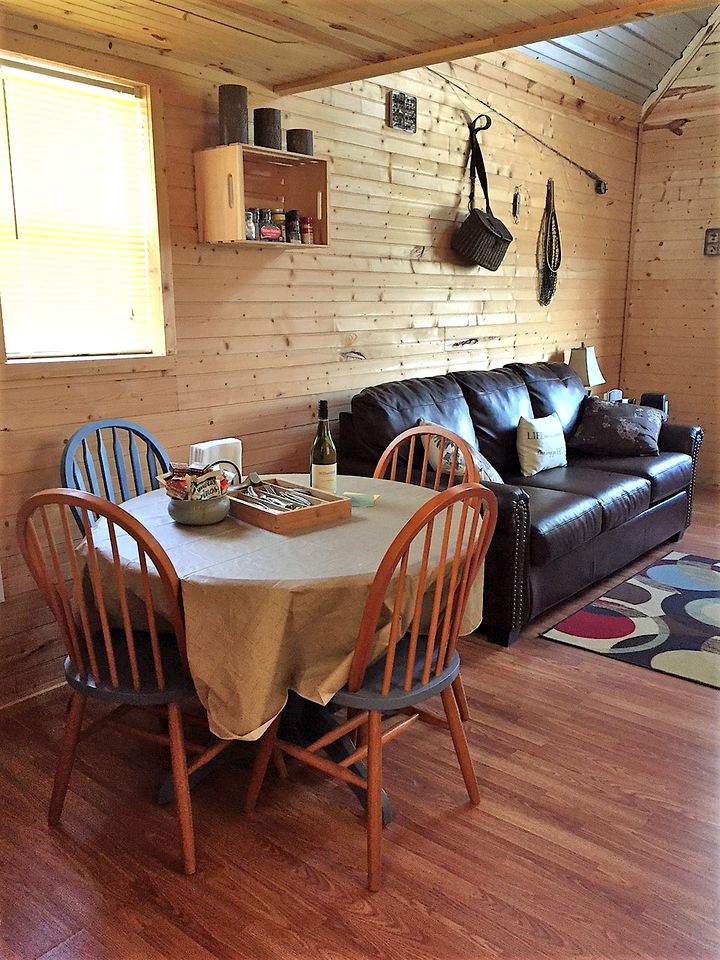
x=121 y=665
x=440 y=549
x=406 y=453
x=403 y=452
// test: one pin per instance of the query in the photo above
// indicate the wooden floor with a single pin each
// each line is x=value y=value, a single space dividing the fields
x=598 y=835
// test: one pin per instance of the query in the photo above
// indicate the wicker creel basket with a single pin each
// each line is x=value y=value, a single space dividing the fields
x=482 y=239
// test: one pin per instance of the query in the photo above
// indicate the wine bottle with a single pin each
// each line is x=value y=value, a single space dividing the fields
x=323 y=456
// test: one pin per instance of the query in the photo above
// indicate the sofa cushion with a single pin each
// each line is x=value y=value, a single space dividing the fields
x=607 y=429
x=667 y=473
x=560 y=522
x=497 y=399
x=540 y=444
x=620 y=496
x=553 y=388
x=382 y=412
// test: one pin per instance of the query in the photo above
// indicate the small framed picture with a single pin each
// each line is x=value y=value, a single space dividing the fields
x=402 y=111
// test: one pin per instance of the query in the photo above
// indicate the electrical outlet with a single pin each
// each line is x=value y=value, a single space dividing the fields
x=712 y=242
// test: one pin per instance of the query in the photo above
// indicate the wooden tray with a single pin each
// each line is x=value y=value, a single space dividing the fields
x=327 y=508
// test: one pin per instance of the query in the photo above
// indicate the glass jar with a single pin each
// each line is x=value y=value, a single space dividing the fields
x=307 y=230
x=268 y=230
x=250 y=226
x=292 y=227
x=278 y=218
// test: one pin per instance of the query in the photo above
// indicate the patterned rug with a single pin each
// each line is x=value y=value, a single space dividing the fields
x=667 y=618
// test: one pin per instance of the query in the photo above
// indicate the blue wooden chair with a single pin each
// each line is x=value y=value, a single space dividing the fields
x=96 y=460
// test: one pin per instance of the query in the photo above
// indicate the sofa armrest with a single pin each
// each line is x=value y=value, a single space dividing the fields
x=678 y=438
x=506 y=601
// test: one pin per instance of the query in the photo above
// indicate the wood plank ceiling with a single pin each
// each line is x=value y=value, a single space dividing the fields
x=294 y=45
x=628 y=60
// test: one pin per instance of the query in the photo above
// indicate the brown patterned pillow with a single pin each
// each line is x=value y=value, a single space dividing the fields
x=609 y=429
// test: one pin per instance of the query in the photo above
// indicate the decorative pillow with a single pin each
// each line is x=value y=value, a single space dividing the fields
x=540 y=444
x=609 y=429
x=442 y=461
x=487 y=471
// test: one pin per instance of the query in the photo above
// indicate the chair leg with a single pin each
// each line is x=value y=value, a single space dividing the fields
x=461 y=698
x=461 y=745
x=182 y=787
x=374 y=799
x=73 y=723
x=279 y=762
x=265 y=750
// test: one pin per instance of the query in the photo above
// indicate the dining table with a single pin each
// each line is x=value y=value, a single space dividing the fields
x=273 y=616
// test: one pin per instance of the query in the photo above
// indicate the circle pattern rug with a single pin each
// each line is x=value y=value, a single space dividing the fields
x=667 y=618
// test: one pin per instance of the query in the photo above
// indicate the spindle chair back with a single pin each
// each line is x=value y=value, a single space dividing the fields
x=417 y=599
x=114 y=459
x=80 y=594
x=441 y=547
x=97 y=592
x=407 y=458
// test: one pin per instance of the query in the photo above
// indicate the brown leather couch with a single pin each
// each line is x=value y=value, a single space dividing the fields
x=560 y=530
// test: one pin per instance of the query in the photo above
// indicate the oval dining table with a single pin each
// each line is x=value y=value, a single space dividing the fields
x=270 y=616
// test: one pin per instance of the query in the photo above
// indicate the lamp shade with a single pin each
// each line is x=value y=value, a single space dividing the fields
x=584 y=362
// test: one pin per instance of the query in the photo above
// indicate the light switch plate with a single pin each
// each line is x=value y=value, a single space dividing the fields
x=712 y=242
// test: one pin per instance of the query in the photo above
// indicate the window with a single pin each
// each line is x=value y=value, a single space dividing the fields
x=79 y=249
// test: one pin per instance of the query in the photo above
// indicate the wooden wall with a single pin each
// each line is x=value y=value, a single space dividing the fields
x=672 y=338
x=262 y=333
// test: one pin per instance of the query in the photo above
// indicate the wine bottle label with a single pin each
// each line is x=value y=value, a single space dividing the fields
x=324 y=477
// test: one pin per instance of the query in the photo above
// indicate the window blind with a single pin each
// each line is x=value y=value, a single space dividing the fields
x=78 y=274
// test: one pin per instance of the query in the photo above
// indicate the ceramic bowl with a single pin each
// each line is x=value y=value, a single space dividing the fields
x=199 y=513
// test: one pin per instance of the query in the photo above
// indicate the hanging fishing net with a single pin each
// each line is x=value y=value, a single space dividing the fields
x=549 y=249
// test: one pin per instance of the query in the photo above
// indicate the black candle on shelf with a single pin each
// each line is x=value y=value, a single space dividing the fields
x=233 y=113
x=268 y=128
x=300 y=141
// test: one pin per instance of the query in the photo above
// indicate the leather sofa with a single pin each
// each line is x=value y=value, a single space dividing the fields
x=560 y=530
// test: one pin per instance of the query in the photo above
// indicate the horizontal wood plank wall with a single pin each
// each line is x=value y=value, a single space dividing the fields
x=672 y=338
x=262 y=333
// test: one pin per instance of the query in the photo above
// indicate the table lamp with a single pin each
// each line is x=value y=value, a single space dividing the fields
x=584 y=362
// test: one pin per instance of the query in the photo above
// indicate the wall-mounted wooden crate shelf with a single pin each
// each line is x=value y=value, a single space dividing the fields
x=230 y=179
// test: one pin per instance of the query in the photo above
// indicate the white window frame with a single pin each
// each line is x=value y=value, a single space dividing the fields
x=163 y=307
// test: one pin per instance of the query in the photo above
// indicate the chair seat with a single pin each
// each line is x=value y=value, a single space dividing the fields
x=178 y=685
x=369 y=696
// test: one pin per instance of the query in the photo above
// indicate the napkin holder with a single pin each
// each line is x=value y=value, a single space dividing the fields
x=228 y=450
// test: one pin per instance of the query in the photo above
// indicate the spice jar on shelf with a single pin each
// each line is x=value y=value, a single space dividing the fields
x=307 y=230
x=278 y=218
x=251 y=224
x=292 y=227
x=268 y=230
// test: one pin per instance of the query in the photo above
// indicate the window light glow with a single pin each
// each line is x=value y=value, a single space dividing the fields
x=81 y=276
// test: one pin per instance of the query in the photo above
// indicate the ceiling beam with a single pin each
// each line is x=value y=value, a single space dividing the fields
x=676 y=68
x=625 y=13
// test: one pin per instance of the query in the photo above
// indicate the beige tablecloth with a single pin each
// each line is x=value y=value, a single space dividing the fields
x=267 y=613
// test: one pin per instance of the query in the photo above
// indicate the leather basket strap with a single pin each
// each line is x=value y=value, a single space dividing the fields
x=477 y=163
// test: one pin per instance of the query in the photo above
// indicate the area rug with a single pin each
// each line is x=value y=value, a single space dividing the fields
x=666 y=618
